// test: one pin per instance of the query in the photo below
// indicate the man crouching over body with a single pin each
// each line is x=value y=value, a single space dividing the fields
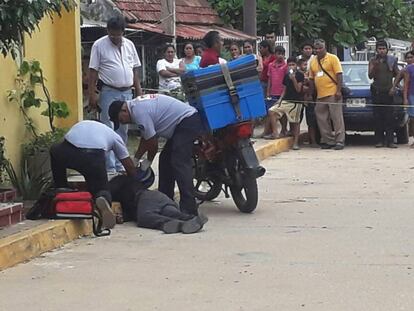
x=164 y=116
x=151 y=208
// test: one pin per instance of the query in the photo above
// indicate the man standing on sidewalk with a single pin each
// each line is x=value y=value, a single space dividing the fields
x=383 y=68
x=307 y=56
x=115 y=63
x=326 y=75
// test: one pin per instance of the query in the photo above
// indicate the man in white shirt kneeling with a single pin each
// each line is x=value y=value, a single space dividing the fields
x=84 y=150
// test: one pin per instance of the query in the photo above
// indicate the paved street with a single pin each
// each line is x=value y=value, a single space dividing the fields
x=333 y=231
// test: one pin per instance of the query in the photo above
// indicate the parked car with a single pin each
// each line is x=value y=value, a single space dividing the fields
x=358 y=112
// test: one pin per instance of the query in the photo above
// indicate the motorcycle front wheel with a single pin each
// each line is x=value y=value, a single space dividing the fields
x=245 y=195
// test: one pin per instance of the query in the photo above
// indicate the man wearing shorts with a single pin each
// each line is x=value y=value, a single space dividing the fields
x=290 y=103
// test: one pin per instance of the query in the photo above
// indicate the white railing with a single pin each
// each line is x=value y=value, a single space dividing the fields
x=283 y=41
x=280 y=41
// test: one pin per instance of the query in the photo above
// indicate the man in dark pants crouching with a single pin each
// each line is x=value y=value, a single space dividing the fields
x=152 y=209
x=164 y=116
x=84 y=149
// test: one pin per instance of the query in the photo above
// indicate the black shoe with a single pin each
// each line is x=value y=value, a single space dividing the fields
x=326 y=146
x=339 y=146
x=172 y=226
x=379 y=145
x=203 y=218
x=192 y=226
x=392 y=145
x=193 y=212
x=104 y=209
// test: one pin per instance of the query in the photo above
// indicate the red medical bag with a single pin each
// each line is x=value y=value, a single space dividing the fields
x=69 y=205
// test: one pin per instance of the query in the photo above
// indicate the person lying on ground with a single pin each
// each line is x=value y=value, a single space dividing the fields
x=152 y=209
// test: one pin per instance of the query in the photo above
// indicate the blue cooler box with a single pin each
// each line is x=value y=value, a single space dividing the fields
x=207 y=91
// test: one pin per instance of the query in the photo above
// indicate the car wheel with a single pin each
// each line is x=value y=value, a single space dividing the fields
x=402 y=135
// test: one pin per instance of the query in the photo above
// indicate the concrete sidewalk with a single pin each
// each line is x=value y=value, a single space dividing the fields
x=27 y=240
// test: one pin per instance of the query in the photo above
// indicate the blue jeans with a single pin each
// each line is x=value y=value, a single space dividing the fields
x=107 y=96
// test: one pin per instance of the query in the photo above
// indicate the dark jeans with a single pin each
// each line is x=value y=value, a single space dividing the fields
x=176 y=165
x=384 y=118
x=155 y=209
x=89 y=162
x=310 y=115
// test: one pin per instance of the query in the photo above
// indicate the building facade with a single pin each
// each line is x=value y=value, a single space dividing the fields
x=56 y=45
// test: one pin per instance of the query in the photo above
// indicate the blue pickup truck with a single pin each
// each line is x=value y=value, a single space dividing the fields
x=358 y=114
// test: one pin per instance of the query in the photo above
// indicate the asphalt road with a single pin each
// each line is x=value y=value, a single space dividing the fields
x=333 y=231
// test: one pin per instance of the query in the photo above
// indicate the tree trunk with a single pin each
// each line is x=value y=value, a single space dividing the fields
x=249 y=17
x=285 y=20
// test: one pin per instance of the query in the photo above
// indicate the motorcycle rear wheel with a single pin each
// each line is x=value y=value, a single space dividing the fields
x=205 y=187
x=246 y=196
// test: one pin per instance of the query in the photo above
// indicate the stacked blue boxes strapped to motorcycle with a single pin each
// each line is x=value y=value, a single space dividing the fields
x=226 y=94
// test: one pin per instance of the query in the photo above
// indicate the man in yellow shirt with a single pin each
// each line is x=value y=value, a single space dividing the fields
x=326 y=75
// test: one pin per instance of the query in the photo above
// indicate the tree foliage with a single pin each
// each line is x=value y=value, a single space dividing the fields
x=23 y=16
x=345 y=22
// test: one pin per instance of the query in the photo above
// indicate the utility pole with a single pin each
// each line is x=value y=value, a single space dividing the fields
x=285 y=19
x=168 y=18
x=249 y=17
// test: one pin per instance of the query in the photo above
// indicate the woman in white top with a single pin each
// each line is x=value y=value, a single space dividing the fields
x=169 y=70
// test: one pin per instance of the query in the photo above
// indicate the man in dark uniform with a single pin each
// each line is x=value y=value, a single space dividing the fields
x=164 y=116
x=383 y=68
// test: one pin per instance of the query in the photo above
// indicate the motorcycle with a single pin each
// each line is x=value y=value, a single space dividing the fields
x=226 y=161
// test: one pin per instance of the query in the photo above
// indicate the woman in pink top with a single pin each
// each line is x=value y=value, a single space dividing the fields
x=276 y=73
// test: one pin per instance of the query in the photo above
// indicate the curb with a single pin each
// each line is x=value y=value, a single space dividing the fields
x=28 y=244
x=274 y=147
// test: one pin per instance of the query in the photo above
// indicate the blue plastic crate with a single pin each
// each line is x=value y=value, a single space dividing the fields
x=233 y=65
x=217 y=111
x=207 y=91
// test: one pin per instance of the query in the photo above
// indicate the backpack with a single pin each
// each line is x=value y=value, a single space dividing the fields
x=64 y=203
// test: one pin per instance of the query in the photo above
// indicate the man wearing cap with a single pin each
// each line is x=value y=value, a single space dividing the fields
x=114 y=67
x=83 y=150
x=163 y=116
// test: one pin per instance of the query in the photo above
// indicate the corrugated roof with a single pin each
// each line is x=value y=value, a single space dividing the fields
x=150 y=27
x=194 y=32
x=187 y=11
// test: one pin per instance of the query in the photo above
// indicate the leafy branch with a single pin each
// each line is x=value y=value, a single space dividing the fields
x=23 y=16
x=341 y=23
x=29 y=76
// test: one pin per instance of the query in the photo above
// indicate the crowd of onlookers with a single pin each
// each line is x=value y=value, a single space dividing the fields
x=286 y=84
x=309 y=85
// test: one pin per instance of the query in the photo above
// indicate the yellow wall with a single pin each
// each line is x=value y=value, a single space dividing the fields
x=57 y=47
